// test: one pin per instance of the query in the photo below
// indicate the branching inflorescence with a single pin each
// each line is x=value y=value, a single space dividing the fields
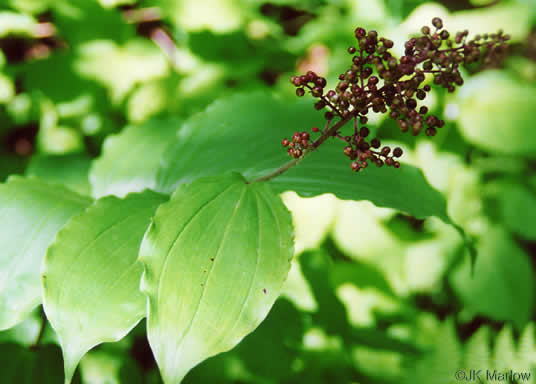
x=380 y=82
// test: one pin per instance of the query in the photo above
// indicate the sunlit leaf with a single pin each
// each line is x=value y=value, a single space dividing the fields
x=215 y=258
x=91 y=274
x=478 y=350
x=130 y=159
x=32 y=213
x=12 y=23
x=496 y=113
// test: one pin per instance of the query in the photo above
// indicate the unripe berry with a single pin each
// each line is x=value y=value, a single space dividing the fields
x=285 y=142
x=315 y=129
x=300 y=92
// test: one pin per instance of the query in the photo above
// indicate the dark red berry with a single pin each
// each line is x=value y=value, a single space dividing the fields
x=375 y=143
x=397 y=152
x=285 y=142
x=437 y=22
x=300 y=92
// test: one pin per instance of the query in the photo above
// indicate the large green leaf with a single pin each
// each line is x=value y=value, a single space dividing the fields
x=243 y=133
x=497 y=113
x=32 y=212
x=502 y=286
x=69 y=170
x=130 y=160
x=91 y=274
x=215 y=257
x=517 y=206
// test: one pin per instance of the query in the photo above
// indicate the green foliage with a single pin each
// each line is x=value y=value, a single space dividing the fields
x=493 y=102
x=249 y=132
x=94 y=256
x=132 y=137
x=121 y=168
x=505 y=285
x=33 y=212
x=228 y=228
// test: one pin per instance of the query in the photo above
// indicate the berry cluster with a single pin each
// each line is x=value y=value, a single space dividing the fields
x=396 y=89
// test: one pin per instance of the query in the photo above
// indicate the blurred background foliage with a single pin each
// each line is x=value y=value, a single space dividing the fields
x=374 y=296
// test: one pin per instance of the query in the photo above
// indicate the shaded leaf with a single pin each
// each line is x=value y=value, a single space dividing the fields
x=32 y=212
x=25 y=366
x=517 y=206
x=130 y=159
x=502 y=286
x=215 y=258
x=69 y=170
x=91 y=274
x=442 y=362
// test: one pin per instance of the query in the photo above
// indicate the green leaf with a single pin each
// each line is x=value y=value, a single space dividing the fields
x=502 y=286
x=496 y=113
x=12 y=23
x=442 y=362
x=360 y=274
x=102 y=367
x=215 y=258
x=32 y=212
x=69 y=170
x=130 y=159
x=91 y=274
x=517 y=206
x=477 y=350
x=404 y=189
x=248 y=140
x=505 y=354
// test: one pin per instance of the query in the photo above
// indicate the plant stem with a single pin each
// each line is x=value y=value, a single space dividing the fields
x=331 y=132
x=37 y=342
